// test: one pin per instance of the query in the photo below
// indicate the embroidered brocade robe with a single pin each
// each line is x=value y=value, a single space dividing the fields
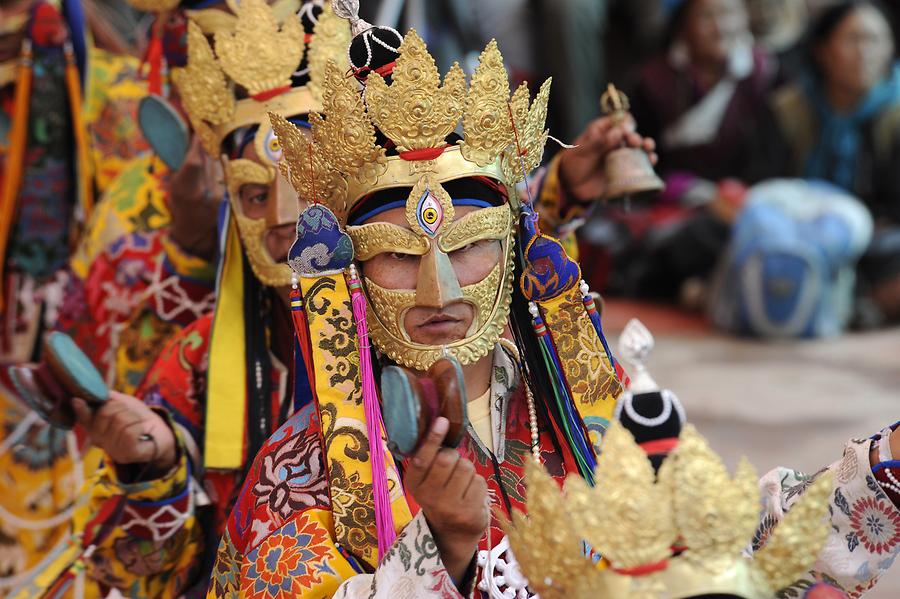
x=280 y=540
x=42 y=468
x=168 y=527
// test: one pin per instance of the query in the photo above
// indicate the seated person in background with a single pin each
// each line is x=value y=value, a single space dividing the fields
x=841 y=122
x=778 y=26
x=702 y=101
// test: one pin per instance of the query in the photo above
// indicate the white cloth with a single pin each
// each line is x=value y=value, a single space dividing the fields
x=700 y=123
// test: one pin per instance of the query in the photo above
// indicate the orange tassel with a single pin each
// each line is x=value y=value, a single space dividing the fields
x=83 y=170
x=15 y=158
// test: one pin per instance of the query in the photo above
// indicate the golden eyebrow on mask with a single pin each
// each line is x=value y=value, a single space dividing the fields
x=487 y=223
x=372 y=239
x=243 y=171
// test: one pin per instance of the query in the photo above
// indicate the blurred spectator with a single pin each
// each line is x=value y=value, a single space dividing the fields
x=703 y=96
x=571 y=51
x=841 y=122
x=778 y=26
x=635 y=33
x=702 y=100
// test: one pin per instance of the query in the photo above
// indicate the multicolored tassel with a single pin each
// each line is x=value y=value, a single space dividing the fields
x=301 y=327
x=568 y=417
x=591 y=306
x=154 y=56
x=384 y=517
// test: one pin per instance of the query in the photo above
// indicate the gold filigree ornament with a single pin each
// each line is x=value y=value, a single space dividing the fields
x=634 y=529
x=259 y=54
x=547 y=544
x=417 y=112
x=633 y=522
x=529 y=133
x=312 y=177
x=204 y=90
x=485 y=118
x=249 y=73
x=331 y=40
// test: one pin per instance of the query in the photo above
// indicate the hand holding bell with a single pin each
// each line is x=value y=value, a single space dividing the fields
x=628 y=170
x=411 y=403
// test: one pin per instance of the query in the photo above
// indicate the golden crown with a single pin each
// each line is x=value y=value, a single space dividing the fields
x=256 y=58
x=503 y=136
x=693 y=502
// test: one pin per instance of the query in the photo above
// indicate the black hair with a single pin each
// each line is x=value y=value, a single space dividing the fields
x=676 y=23
x=824 y=25
x=257 y=324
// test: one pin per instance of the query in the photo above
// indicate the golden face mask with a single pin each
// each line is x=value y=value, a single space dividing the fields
x=433 y=235
x=282 y=208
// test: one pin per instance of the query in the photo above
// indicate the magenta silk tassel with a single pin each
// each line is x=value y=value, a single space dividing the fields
x=384 y=517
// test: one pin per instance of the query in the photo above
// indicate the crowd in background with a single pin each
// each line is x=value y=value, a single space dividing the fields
x=735 y=92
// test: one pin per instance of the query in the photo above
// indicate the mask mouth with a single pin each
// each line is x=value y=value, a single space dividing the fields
x=440 y=318
x=441 y=327
x=439 y=322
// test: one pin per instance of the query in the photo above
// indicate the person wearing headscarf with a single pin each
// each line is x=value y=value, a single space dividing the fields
x=840 y=122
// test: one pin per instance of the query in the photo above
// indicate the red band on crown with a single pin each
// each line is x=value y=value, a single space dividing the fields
x=643 y=570
x=423 y=153
x=268 y=95
x=362 y=72
x=659 y=446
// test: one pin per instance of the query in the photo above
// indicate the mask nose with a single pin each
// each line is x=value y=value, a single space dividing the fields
x=284 y=203
x=437 y=285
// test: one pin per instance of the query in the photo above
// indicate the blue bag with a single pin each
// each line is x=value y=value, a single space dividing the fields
x=789 y=270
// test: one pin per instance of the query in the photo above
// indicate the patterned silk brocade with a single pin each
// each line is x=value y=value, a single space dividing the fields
x=593 y=381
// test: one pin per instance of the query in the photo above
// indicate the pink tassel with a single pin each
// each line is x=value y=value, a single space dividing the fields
x=384 y=517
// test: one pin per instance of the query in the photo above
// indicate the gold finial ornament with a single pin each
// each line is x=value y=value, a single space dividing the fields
x=694 y=503
x=628 y=170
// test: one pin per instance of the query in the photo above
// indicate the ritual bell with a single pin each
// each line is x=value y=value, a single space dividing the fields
x=628 y=170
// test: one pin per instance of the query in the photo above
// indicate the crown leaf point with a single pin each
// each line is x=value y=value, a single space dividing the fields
x=259 y=54
x=331 y=36
x=487 y=128
x=693 y=501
